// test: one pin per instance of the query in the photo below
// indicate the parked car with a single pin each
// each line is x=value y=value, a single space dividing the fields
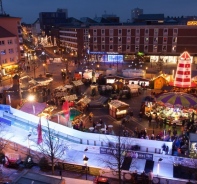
x=101 y=180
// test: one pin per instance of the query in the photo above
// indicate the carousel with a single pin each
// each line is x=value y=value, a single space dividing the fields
x=174 y=107
x=177 y=106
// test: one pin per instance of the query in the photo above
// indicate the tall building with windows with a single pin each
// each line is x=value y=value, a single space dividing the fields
x=11 y=46
x=135 y=13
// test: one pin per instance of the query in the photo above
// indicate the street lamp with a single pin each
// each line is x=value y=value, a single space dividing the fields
x=28 y=142
x=85 y=160
x=31 y=98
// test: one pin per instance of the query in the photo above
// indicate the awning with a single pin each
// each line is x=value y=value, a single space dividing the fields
x=70 y=97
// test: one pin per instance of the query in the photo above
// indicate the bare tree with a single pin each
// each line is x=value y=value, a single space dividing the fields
x=119 y=155
x=53 y=147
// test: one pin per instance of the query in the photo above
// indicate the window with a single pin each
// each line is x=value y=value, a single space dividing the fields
x=11 y=51
x=119 y=47
x=95 y=47
x=164 y=48
x=165 y=40
x=146 y=31
x=146 y=47
x=137 y=39
x=175 y=31
x=9 y=42
x=128 y=47
x=146 y=39
x=155 y=39
x=137 y=31
x=165 y=31
x=95 y=39
x=2 y=42
x=128 y=32
x=174 y=40
x=111 y=31
x=128 y=39
x=103 y=39
x=119 y=39
x=85 y=31
x=103 y=47
x=137 y=48
x=102 y=31
x=154 y=48
x=174 y=48
x=120 y=31
x=111 y=39
x=11 y=59
x=94 y=31
x=156 y=31
x=3 y=52
x=110 y=47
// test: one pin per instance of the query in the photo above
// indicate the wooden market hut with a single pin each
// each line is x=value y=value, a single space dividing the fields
x=160 y=81
x=118 y=109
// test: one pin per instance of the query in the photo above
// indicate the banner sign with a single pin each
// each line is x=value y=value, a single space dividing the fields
x=133 y=154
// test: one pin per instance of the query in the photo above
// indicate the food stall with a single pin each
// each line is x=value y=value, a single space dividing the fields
x=82 y=103
x=118 y=109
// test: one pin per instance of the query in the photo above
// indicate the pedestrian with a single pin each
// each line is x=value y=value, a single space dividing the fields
x=150 y=177
x=131 y=114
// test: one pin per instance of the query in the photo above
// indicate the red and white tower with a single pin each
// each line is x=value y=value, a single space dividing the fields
x=183 y=72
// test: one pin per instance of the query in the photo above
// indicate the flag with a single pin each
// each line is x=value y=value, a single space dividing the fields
x=39 y=129
x=66 y=110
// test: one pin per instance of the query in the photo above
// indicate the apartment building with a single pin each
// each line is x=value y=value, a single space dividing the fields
x=11 y=43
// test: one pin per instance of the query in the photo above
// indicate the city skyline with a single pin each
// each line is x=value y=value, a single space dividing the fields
x=29 y=10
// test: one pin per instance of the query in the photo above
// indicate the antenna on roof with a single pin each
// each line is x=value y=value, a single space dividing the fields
x=1 y=8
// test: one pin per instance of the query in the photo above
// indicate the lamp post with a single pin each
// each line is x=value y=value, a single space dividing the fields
x=31 y=99
x=88 y=49
x=85 y=160
x=28 y=142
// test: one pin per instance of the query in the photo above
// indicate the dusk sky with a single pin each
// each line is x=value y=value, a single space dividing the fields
x=29 y=10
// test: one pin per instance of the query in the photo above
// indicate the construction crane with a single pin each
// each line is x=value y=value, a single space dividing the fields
x=1 y=8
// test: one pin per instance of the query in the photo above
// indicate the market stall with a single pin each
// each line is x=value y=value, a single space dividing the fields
x=82 y=103
x=118 y=109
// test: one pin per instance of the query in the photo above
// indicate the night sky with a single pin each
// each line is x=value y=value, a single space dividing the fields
x=29 y=10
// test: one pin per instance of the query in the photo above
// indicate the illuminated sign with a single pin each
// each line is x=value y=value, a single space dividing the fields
x=192 y=23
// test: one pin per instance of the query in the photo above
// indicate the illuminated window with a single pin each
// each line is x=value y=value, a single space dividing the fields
x=155 y=39
x=174 y=48
x=119 y=47
x=128 y=32
x=154 y=48
x=165 y=39
x=103 y=39
x=95 y=47
x=111 y=39
x=119 y=39
x=120 y=31
x=146 y=39
x=136 y=48
x=103 y=47
x=174 y=40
